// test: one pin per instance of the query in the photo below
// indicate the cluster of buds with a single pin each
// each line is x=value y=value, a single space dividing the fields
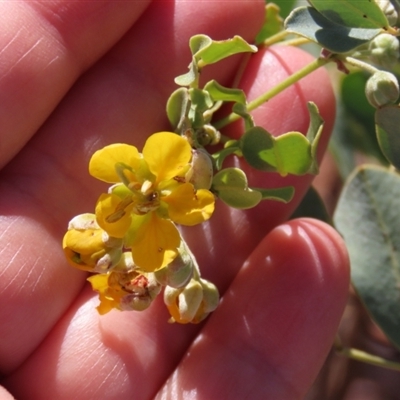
x=123 y=286
x=131 y=243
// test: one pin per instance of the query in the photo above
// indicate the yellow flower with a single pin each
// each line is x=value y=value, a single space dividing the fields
x=150 y=194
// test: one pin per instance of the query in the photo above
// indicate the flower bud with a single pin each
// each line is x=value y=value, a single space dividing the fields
x=210 y=299
x=389 y=10
x=384 y=50
x=88 y=247
x=201 y=172
x=178 y=273
x=382 y=89
x=192 y=303
x=208 y=135
x=183 y=303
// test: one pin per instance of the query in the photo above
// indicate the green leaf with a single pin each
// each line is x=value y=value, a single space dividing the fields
x=284 y=194
x=177 y=105
x=221 y=93
x=289 y=153
x=273 y=23
x=200 y=102
x=312 y=206
x=368 y=217
x=309 y=23
x=219 y=157
x=352 y=13
x=314 y=133
x=230 y=185
x=190 y=77
x=387 y=121
x=241 y=109
x=209 y=51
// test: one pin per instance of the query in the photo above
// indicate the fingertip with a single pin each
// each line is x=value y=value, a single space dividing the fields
x=277 y=321
x=324 y=241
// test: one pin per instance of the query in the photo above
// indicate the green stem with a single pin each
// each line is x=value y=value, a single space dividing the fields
x=291 y=80
x=278 y=37
x=360 y=64
x=295 y=42
x=367 y=358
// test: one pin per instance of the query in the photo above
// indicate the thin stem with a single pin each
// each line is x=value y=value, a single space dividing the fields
x=360 y=64
x=295 y=42
x=291 y=80
x=278 y=37
x=367 y=358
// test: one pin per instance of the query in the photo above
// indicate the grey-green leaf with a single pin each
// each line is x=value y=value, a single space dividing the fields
x=352 y=13
x=368 y=217
x=309 y=23
x=387 y=121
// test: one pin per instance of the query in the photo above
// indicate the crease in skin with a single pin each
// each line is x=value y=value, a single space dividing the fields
x=311 y=246
x=15 y=37
x=15 y=277
x=22 y=58
x=37 y=278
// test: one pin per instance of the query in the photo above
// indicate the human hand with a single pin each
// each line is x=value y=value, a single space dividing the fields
x=283 y=284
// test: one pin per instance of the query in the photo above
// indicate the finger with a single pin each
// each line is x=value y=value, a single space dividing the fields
x=45 y=46
x=276 y=322
x=121 y=99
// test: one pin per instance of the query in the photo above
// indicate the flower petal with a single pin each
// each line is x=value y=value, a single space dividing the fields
x=187 y=206
x=83 y=248
x=113 y=215
x=167 y=155
x=103 y=162
x=99 y=283
x=155 y=244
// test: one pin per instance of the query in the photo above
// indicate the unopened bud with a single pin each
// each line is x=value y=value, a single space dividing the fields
x=389 y=10
x=384 y=50
x=183 y=303
x=210 y=298
x=208 y=135
x=178 y=273
x=192 y=303
x=201 y=172
x=382 y=89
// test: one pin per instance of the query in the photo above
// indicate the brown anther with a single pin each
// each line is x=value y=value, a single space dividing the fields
x=114 y=217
